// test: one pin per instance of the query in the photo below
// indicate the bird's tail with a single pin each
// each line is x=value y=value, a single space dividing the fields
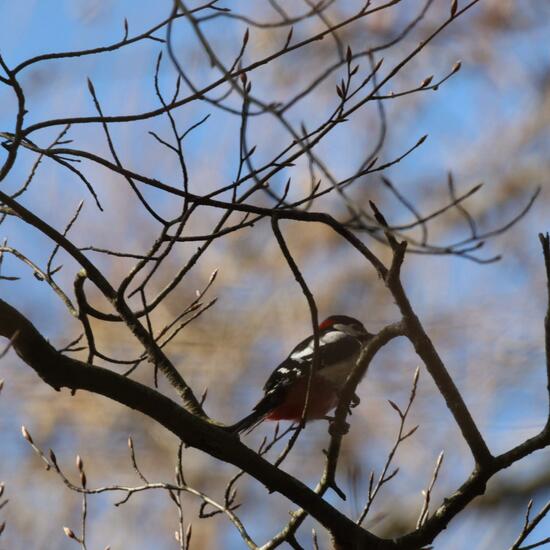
x=248 y=423
x=256 y=417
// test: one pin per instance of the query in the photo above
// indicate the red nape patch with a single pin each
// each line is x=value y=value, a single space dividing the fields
x=327 y=323
x=322 y=398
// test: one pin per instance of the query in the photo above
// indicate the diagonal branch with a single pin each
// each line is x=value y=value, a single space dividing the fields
x=426 y=351
x=476 y=483
x=60 y=371
x=93 y=273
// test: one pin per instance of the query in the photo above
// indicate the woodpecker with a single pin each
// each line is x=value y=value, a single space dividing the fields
x=341 y=340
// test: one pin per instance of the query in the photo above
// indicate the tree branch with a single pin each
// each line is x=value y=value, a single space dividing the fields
x=60 y=371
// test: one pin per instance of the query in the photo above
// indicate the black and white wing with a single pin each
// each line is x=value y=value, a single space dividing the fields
x=335 y=348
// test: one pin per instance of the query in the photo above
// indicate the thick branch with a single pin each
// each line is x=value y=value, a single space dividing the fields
x=476 y=483
x=427 y=352
x=60 y=371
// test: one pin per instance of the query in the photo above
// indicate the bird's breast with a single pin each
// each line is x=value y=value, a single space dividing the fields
x=337 y=373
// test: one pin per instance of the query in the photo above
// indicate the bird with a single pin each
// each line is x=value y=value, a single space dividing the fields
x=341 y=339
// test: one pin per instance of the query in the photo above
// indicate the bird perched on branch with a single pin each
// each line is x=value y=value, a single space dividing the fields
x=341 y=340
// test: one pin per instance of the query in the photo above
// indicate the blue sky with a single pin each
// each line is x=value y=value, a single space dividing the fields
x=457 y=118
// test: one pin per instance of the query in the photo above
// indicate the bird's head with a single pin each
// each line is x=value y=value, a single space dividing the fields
x=346 y=324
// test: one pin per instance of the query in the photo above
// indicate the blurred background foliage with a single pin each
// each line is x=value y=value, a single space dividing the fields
x=489 y=123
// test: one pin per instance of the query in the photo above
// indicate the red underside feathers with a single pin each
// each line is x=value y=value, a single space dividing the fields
x=323 y=397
